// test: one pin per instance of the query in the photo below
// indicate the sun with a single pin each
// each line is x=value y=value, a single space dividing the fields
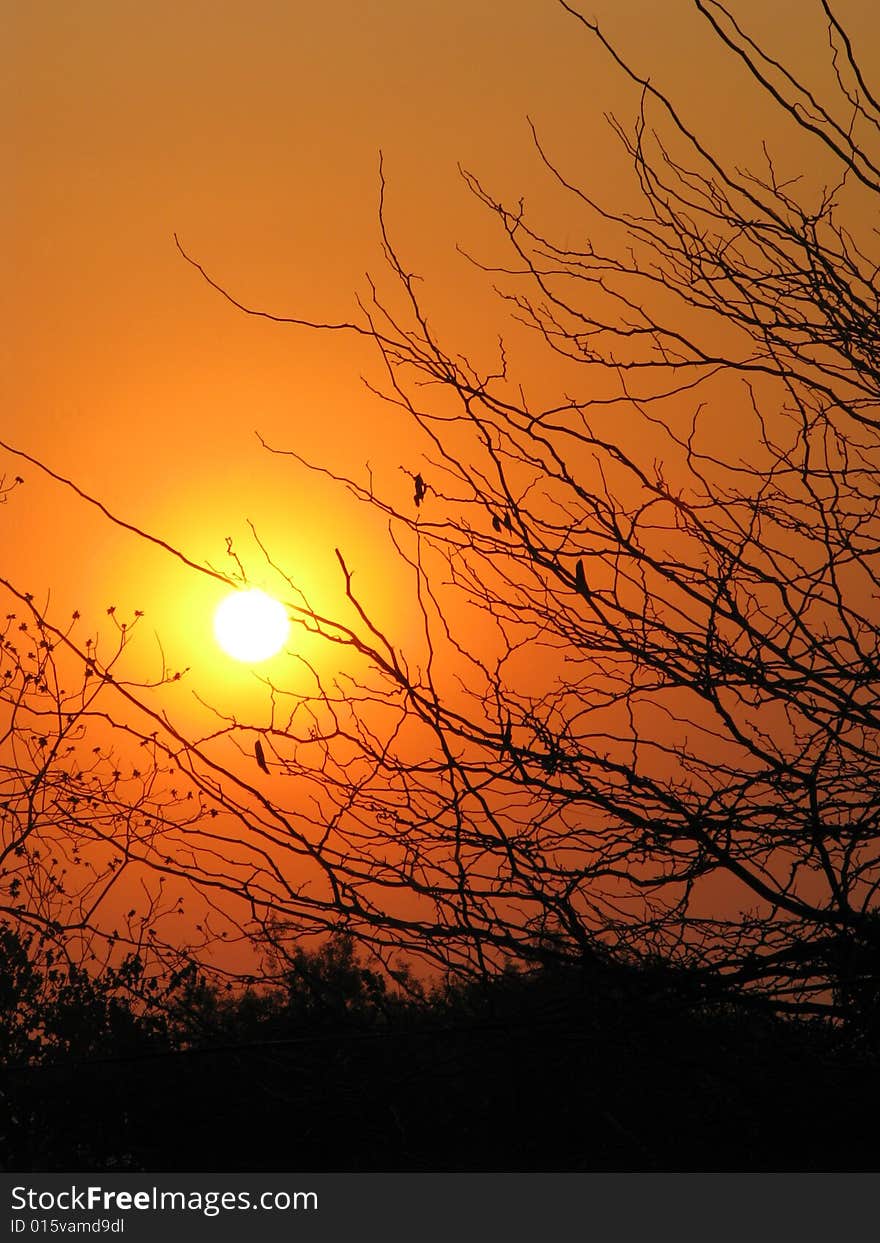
x=250 y=626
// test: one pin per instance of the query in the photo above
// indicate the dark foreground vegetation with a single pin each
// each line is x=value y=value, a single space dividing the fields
x=597 y=1068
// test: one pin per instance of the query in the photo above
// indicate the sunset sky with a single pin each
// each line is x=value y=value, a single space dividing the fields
x=599 y=683
x=253 y=131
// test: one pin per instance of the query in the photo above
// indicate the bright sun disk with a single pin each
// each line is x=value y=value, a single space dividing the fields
x=251 y=626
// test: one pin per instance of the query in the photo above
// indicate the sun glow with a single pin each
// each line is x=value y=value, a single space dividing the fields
x=250 y=626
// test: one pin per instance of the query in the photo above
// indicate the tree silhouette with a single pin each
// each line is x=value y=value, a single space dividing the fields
x=88 y=805
x=641 y=717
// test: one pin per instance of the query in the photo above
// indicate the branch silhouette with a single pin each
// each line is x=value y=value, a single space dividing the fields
x=641 y=715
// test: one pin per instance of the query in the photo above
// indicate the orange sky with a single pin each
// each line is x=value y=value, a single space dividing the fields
x=252 y=131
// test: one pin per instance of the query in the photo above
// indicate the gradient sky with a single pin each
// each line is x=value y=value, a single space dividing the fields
x=252 y=130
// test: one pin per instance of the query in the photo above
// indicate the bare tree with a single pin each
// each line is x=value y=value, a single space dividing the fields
x=642 y=716
x=83 y=798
